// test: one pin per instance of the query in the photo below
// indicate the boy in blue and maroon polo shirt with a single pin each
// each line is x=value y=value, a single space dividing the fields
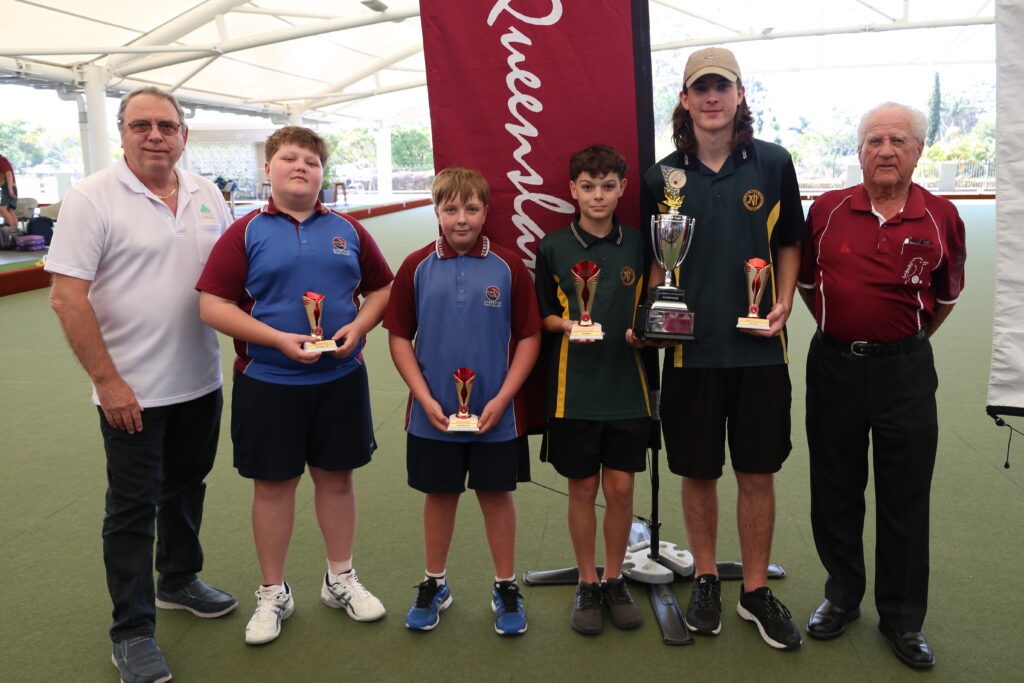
x=467 y=303
x=292 y=407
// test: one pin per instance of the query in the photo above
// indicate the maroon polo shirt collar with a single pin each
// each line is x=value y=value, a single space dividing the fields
x=912 y=208
x=271 y=208
x=444 y=250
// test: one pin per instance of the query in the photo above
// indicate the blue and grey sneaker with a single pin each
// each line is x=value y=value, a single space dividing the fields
x=139 y=660
x=431 y=599
x=197 y=598
x=509 y=613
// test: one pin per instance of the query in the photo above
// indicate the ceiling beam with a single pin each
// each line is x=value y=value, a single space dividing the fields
x=178 y=27
x=267 y=38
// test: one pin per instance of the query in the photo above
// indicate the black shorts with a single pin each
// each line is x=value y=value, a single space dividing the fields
x=278 y=428
x=436 y=466
x=6 y=199
x=578 y=448
x=700 y=405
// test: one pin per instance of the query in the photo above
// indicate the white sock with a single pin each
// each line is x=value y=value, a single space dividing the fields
x=336 y=568
x=511 y=579
x=273 y=588
x=438 y=578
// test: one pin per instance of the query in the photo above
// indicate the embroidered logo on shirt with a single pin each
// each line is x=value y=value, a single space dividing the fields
x=845 y=249
x=340 y=247
x=205 y=213
x=914 y=270
x=753 y=200
x=627 y=276
x=492 y=296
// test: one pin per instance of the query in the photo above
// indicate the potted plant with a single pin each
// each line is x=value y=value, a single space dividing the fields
x=326 y=191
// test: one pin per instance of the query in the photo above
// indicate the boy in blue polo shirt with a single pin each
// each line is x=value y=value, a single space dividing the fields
x=468 y=303
x=293 y=407
x=599 y=418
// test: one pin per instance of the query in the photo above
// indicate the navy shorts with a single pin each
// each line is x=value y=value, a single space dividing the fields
x=701 y=407
x=6 y=199
x=436 y=466
x=578 y=448
x=278 y=428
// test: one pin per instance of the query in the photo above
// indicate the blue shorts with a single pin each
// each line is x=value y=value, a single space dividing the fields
x=278 y=428
x=436 y=466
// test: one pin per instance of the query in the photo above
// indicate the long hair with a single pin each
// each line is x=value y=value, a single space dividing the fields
x=682 y=127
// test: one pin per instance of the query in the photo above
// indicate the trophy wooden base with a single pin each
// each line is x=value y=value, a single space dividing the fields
x=320 y=346
x=752 y=323
x=586 y=332
x=463 y=424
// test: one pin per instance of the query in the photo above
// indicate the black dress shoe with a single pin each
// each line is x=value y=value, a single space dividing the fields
x=911 y=647
x=829 y=621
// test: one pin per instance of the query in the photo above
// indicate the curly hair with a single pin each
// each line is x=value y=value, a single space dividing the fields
x=682 y=127
x=597 y=160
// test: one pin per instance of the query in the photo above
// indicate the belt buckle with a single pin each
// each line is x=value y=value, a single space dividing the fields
x=855 y=352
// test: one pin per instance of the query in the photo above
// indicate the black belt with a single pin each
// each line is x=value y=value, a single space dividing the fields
x=863 y=348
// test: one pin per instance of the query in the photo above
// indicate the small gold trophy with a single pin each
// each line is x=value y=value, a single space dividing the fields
x=314 y=304
x=463 y=420
x=758 y=271
x=585 y=276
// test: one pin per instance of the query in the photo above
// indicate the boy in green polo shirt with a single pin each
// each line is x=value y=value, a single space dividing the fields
x=599 y=417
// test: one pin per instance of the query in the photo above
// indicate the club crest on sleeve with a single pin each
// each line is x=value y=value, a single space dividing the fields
x=492 y=297
x=340 y=246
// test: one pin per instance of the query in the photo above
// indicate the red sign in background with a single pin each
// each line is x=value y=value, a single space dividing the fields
x=517 y=86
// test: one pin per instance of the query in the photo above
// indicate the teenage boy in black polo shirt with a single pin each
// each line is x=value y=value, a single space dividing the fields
x=598 y=407
x=729 y=384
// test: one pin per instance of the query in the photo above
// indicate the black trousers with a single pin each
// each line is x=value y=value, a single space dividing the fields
x=156 y=477
x=892 y=399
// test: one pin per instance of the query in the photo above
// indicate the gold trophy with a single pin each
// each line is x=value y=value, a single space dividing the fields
x=758 y=271
x=585 y=276
x=666 y=316
x=314 y=304
x=463 y=420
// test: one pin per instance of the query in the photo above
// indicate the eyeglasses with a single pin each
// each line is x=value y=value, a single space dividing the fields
x=143 y=127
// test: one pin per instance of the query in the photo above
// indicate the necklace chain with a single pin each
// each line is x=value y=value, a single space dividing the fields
x=171 y=193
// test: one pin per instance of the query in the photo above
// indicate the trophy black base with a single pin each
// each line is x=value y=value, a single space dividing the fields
x=664 y=321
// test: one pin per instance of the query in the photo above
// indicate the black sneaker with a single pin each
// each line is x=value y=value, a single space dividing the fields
x=586 y=617
x=772 y=618
x=622 y=607
x=704 y=613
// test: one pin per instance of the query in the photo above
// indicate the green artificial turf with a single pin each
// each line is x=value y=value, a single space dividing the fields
x=51 y=504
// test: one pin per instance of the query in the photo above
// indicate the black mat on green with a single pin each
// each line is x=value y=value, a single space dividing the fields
x=51 y=503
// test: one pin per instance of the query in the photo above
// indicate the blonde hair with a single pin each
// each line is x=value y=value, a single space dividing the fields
x=460 y=182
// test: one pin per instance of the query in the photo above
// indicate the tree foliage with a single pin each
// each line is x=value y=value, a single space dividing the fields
x=351 y=146
x=26 y=145
x=410 y=146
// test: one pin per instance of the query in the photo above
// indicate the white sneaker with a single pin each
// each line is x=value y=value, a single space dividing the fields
x=349 y=594
x=273 y=605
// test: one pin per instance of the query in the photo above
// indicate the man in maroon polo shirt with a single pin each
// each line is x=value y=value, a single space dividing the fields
x=882 y=268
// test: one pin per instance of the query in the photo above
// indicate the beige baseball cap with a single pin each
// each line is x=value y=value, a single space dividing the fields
x=711 y=60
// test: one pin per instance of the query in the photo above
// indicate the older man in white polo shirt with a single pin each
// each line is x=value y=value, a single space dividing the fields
x=131 y=243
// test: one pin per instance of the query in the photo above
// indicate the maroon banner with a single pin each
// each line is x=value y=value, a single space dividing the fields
x=517 y=86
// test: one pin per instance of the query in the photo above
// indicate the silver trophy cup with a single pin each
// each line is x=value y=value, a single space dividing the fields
x=666 y=317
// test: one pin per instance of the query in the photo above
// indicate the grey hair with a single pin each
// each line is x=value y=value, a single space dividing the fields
x=155 y=92
x=918 y=121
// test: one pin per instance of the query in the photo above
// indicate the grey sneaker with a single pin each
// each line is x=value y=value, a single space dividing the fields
x=622 y=607
x=704 y=613
x=139 y=660
x=586 y=617
x=771 y=617
x=197 y=598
